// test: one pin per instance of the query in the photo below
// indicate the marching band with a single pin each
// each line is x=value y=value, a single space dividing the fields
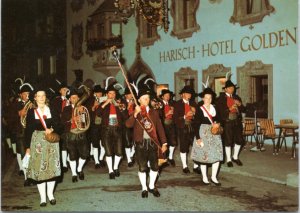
x=137 y=125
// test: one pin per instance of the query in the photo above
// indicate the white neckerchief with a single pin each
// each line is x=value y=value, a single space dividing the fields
x=147 y=109
x=165 y=102
x=228 y=95
x=212 y=111
x=186 y=102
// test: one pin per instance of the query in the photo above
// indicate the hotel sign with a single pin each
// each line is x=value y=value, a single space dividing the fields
x=257 y=42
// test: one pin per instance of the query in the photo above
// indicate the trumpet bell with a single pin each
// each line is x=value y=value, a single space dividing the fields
x=84 y=123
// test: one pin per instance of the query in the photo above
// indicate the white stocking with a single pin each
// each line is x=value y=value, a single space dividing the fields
x=50 y=189
x=183 y=159
x=214 y=171
x=152 y=180
x=64 y=158
x=96 y=155
x=117 y=161
x=19 y=159
x=102 y=152
x=143 y=180
x=132 y=151
x=236 y=151
x=14 y=147
x=8 y=141
x=91 y=150
x=228 y=153
x=171 y=152
x=80 y=164
x=73 y=167
x=109 y=164
x=204 y=173
x=42 y=191
x=127 y=151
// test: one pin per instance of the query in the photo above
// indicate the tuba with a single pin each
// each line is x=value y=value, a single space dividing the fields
x=27 y=106
x=83 y=124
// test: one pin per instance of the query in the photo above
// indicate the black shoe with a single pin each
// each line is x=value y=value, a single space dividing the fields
x=171 y=162
x=53 y=202
x=43 y=204
x=238 y=162
x=21 y=173
x=97 y=166
x=102 y=163
x=217 y=184
x=144 y=194
x=186 y=170
x=117 y=173
x=206 y=183
x=74 y=179
x=229 y=164
x=155 y=192
x=81 y=175
x=65 y=169
x=197 y=170
x=112 y=175
x=27 y=183
x=130 y=164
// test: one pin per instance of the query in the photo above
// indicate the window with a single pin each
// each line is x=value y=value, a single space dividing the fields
x=147 y=32
x=184 y=16
x=217 y=79
x=100 y=30
x=250 y=11
x=255 y=80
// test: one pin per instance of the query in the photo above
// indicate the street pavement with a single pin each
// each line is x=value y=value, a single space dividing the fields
x=261 y=184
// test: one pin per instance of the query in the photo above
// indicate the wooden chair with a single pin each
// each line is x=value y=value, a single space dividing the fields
x=268 y=131
x=294 y=144
x=249 y=129
x=285 y=132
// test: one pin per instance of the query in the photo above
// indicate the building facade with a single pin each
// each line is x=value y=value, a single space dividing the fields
x=257 y=41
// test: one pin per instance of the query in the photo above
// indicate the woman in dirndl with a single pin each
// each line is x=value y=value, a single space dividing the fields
x=207 y=147
x=44 y=157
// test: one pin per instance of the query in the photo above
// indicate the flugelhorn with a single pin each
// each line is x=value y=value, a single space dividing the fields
x=83 y=123
x=27 y=106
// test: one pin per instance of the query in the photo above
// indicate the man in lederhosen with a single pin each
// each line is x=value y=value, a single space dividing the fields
x=112 y=125
x=146 y=148
x=128 y=132
x=77 y=145
x=58 y=104
x=230 y=108
x=22 y=107
x=95 y=127
x=184 y=110
x=166 y=114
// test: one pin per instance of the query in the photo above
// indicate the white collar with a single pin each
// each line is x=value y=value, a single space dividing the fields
x=212 y=111
x=46 y=112
x=165 y=102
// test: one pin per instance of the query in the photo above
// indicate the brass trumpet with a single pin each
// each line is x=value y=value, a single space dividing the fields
x=119 y=104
